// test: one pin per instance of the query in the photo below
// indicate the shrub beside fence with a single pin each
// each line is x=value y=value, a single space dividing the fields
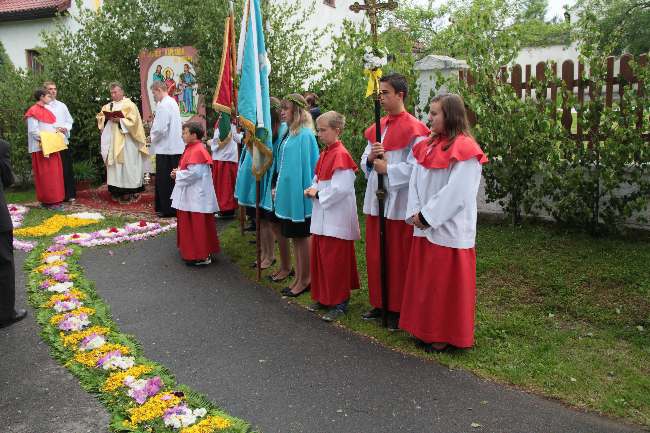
x=574 y=146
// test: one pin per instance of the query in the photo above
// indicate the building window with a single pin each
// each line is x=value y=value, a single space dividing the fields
x=33 y=64
x=331 y=3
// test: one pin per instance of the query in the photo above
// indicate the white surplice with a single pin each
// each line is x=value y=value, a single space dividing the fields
x=167 y=129
x=228 y=152
x=446 y=197
x=335 y=211
x=396 y=182
x=194 y=190
x=63 y=117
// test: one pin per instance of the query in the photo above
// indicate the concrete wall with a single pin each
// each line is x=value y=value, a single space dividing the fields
x=558 y=53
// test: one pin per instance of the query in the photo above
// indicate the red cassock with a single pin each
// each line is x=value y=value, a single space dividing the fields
x=48 y=172
x=196 y=235
x=398 y=247
x=403 y=129
x=48 y=178
x=440 y=287
x=333 y=264
x=224 y=175
x=333 y=269
x=440 y=294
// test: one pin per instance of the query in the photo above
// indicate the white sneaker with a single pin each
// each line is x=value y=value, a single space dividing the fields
x=203 y=262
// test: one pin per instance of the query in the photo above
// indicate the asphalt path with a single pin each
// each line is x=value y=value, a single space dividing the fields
x=38 y=395
x=284 y=370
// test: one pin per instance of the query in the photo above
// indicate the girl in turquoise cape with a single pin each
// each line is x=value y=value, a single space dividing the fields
x=297 y=157
x=271 y=222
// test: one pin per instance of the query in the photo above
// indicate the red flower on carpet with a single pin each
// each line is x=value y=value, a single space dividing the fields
x=112 y=230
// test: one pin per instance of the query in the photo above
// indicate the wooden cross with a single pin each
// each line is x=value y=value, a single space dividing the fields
x=372 y=8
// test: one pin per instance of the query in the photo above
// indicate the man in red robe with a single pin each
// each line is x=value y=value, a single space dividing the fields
x=393 y=158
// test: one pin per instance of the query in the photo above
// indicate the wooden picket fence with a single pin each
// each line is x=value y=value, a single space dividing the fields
x=625 y=79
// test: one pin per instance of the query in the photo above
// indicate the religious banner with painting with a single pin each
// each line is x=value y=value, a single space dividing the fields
x=173 y=66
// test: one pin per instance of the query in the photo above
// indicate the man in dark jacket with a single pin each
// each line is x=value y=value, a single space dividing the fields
x=8 y=313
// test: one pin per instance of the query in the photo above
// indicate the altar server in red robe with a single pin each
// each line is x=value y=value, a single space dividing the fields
x=224 y=168
x=440 y=289
x=48 y=170
x=392 y=158
x=334 y=221
x=195 y=201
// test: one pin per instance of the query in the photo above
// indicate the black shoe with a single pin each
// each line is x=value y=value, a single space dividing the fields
x=316 y=306
x=372 y=314
x=226 y=215
x=290 y=294
x=250 y=228
x=333 y=314
x=16 y=317
x=393 y=321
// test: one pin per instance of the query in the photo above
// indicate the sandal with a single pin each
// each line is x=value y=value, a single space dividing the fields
x=274 y=278
x=254 y=265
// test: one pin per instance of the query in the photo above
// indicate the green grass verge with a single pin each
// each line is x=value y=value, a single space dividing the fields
x=118 y=402
x=561 y=314
x=15 y=195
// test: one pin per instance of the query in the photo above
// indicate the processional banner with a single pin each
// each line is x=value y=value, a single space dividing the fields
x=174 y=66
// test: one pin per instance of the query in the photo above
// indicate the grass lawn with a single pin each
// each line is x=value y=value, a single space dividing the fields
x=558 y=313
x=15 y=195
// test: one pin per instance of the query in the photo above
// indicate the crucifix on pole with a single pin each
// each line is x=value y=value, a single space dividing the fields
x=372 y=8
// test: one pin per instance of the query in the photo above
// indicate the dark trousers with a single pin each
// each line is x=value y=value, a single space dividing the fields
x=68 y=175
x=7 y=276
x=165 y=184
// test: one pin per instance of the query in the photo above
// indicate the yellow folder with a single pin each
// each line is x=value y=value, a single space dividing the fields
x=52 y=142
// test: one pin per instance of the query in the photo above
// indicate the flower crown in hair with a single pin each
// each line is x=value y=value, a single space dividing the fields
x=296 y=101
x=275 y=104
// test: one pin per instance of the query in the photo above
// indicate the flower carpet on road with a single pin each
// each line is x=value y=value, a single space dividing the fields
x=140 y=395
x=114 y=235
x=17 y=213
x=54 y=224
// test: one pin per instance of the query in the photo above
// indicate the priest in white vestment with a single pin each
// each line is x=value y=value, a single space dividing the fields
x=123 y=146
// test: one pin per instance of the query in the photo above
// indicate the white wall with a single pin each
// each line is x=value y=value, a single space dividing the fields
x=19 y=36
x=558 y=53
x=326 y=15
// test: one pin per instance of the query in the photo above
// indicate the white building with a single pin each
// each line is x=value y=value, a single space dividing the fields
x=22 y=21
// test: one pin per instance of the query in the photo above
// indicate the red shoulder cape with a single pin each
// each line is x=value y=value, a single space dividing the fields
x=194 y=153
x=40 y=113
x=334 y=157
x=403 y=128
x=430 y=154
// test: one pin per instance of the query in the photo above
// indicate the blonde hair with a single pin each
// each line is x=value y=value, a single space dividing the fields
x=332 y=119
x=300 y=117
x=48 y=83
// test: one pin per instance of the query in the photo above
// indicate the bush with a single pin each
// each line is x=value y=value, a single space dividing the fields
x=16 y=89
x=85 y=171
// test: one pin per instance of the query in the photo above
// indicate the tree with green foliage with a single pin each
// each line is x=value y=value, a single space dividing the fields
x=533 y=10
x=16 y=88
x=614 y=26
x=294 y=52
x=343 y=87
